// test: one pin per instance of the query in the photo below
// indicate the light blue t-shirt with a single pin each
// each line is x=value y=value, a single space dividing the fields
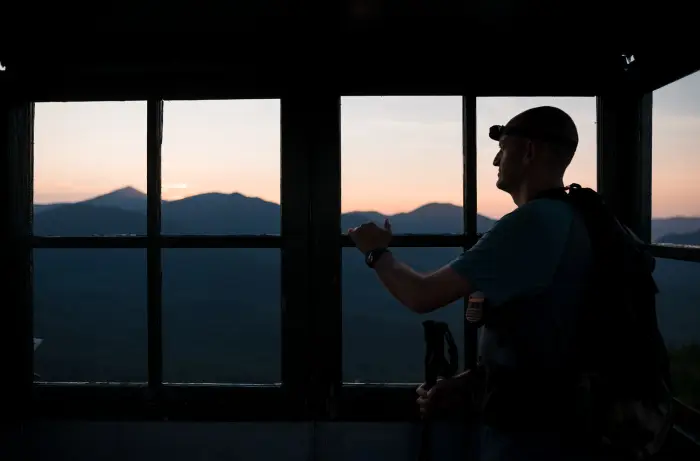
x=536 y=259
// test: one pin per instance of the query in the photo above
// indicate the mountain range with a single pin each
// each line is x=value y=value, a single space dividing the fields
x=221 y=307
x=122 y=212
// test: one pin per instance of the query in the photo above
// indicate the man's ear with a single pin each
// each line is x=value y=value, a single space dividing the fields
x=529 y=155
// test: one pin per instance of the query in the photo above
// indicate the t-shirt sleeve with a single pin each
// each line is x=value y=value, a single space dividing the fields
x=520 y=254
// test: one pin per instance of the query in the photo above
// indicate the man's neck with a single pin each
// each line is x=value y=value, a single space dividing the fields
x=528 y=191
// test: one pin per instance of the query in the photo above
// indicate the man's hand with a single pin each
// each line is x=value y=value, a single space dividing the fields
x=445 y=397
x=370 y=237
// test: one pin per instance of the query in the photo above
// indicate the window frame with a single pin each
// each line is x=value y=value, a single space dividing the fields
x=687 y=418
x=159 y=400
x=624 y=124
x=309 y=391
x=677 y=252
x=396 y=401
x=306 y=392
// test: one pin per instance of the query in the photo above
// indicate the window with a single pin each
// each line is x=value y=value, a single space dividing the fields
x=221 y=315
x=383 y=340
x=90 y=315
x=492 y=203
x=220 y=295
x=219 y=248
x=221 y=167
x=221 y=177
x=402 y=160
x=90 y=169
x=676 y=221
x=90 y=304
x=675 y=188
x=221 y=300
x=679 y=322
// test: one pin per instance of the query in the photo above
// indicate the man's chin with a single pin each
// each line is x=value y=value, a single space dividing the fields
x=500 y=184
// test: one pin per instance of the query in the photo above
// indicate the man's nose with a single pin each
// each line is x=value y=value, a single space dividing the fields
x=497 y=159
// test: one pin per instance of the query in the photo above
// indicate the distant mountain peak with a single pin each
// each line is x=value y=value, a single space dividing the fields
x=434 y=210
x=127 y=198
x=437 y=206
x=126 y=192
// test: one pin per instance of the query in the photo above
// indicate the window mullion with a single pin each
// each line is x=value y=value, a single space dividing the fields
x=469 y=164
x=297 y=341
x=624 y=157
x=154 y=252
x=17 y=148
x=469 y=211
x=323 y=125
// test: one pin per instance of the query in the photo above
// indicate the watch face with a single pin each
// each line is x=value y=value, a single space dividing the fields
x=373 y=256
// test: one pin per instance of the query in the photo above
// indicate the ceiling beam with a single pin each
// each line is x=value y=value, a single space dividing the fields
x=656 y=70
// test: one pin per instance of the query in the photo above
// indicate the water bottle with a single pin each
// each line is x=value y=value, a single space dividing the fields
x=475 y=309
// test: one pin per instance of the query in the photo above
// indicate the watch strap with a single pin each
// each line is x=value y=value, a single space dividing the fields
x=373 y=256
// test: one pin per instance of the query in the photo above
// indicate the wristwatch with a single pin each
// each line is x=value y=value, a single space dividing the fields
x=373 y=256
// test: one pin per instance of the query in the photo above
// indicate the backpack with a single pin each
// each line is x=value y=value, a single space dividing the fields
x=623 y=372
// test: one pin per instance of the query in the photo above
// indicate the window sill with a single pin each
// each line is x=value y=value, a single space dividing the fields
x=673 y=251
x=171 y=402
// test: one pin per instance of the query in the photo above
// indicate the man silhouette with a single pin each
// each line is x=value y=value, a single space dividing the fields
x=531 y=267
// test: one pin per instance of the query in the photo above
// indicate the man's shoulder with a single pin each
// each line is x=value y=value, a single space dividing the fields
x=563 y=220
x=540 y=223
x=549 y=207
x=550 y=211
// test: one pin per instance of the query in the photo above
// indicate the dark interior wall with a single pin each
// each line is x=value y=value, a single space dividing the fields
x=117 y=441
x=174 y=441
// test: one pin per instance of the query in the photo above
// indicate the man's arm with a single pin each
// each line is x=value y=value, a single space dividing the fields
x=422 y=293
x=518 y=256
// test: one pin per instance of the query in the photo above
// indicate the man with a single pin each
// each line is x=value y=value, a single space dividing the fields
x=531 y=267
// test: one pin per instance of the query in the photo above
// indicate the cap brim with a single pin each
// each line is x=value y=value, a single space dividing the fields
x=496 y=132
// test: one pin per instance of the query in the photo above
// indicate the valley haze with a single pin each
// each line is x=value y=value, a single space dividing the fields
x=221 y=307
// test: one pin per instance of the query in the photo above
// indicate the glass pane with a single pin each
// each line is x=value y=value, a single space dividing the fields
x=494 y=203
x=90 y=315
x=676 y=219
x=675 y=160
x=90 y=168
x=221 y=167
x=402 y=158
x=382 y=339
x=678 y=310
x=221 y=315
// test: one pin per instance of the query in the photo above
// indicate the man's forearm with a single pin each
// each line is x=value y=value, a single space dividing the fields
x=405 y=284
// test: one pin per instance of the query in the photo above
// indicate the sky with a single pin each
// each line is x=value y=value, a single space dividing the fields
x=398 y=153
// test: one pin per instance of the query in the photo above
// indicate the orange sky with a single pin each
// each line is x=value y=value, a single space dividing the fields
x=398 y=152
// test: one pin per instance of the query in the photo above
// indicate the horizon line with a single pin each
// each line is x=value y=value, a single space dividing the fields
x=278 y=204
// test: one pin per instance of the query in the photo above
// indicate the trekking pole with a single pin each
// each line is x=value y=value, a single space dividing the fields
x=436 y=365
